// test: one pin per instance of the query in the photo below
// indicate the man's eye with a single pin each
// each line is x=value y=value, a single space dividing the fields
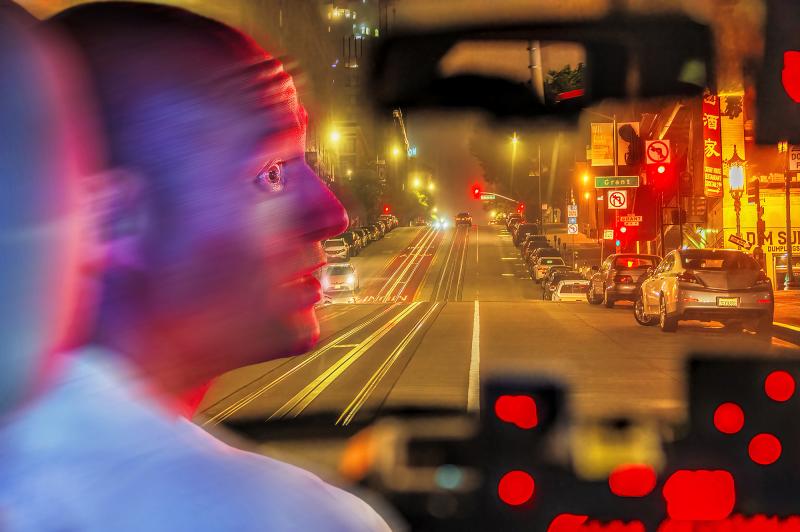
x=270 y=178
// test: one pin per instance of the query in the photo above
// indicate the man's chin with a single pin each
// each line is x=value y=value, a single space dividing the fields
x=300 y=334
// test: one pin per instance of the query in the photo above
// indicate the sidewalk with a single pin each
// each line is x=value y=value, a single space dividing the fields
x=787 y=307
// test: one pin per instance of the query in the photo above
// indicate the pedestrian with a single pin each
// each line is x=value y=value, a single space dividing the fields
x=209 y=225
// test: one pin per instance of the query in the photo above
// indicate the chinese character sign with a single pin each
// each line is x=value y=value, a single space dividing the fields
x=712 y=146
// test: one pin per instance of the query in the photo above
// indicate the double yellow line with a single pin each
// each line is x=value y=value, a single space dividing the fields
x=418 y=251
x=304 y=361
x=361 y=397
x=300 y=401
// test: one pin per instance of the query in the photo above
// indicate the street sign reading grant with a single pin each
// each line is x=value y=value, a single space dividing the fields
x=487 y=196
x=620 y=181
x=630 y=220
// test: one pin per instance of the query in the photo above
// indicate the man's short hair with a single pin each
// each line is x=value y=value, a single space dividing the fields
x=152 y=65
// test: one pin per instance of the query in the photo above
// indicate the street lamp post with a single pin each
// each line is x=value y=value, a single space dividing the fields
x=736 y=186
x=514 y=141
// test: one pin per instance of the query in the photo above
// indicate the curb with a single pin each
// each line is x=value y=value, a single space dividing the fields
x=786 y=332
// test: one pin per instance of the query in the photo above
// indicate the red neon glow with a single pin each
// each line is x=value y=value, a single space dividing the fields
x=517 y=409
x=515 y=488
x=581 y=523
x=737 y=523
x=779 y=386
x=634 y=480
x=699 y=495
x=764 y=449
x=790 y=75
x=729 y=418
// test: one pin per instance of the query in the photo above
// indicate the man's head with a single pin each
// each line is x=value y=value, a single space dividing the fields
x=45 y=150
x=211 y=218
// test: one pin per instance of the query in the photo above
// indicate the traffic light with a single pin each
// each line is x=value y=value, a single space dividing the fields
x=520 y=208
x=476 y=191
x=661 y=175
x=386 y=209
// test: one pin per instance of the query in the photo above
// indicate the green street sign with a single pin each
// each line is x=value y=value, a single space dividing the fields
x=486 y=197
x=620 y=181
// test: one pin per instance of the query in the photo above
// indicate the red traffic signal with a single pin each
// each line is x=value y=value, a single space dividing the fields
x=661 y=175
x=476 y=191
x=520 y=207
x=386 y=209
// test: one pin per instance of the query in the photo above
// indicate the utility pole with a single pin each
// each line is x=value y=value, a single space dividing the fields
x=789 y=282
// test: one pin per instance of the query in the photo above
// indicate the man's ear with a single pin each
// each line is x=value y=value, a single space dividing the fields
x=116 y=217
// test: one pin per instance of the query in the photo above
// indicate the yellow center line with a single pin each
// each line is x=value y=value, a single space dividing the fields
x=250 y=397
x=419 y=251
x=392 y=281
x=361 y=397
x=313 y=389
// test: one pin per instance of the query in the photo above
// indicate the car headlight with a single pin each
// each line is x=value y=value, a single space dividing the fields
x=351 y=279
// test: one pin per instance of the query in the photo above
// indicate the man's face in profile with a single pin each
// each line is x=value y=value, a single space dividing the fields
x=237 y=253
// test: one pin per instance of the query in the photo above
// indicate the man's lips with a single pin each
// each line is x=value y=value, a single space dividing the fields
x=302 y=292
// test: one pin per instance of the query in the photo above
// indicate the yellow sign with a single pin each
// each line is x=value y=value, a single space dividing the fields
x=603 y=144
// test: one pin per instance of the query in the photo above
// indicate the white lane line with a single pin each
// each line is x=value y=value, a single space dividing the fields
x=474 y=389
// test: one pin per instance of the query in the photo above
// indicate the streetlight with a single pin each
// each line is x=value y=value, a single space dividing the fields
x=514 y=142
x=335 y=136
x=585 y=179
x=736 y=185
x=431 y=187
x=416 y=183
x=349 y=172
x=586 y=196
x=435 y=209
x=395 y=152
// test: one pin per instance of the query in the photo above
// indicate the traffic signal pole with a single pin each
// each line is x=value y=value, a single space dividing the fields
x=616 y=173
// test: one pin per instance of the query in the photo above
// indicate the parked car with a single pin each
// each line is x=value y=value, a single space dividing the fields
x=366 y=235
x=419 y=221
x=618 y=278
x=543 y=265
x=375 y=230
x=570 y=290
x=463 y=218
x=390 y=220
x=511 y=218
x=339 y=277
x=555 y=276
x=353 y=242
x=535 y=253
x=533 y=241
x=524 y=230
x=336 y=249
x=723 y=285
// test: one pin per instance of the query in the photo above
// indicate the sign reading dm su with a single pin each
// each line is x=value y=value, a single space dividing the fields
x=712 y=146
x=794 y=158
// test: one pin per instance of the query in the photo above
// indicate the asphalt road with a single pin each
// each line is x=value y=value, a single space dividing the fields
x=437 y=312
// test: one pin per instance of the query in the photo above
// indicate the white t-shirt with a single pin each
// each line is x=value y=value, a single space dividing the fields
x=89 y=455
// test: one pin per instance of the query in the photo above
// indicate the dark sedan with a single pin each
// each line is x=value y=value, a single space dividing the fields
x=619 y=277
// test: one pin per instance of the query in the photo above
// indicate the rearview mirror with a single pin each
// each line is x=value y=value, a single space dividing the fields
x=488 y=67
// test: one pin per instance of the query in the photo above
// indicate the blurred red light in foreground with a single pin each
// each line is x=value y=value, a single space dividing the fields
x=579 y=523
x=517 y=409
x=635 y=480
x=699 y=495
x=779 y=386
x=729 y=418
x=515 y=488
x=764 y=449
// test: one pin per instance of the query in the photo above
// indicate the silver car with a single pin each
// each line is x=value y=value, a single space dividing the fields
x=336 y=248
x=708 y=285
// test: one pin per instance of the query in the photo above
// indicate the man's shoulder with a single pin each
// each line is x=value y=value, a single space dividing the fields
x=264 y=493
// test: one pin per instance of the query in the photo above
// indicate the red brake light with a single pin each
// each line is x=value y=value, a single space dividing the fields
x=635 y=480
x=764 y=449
x=699 y=495
x=517 y=409
x=623 y=279
x=516 y=488
x=779 y=386
x=729 y=418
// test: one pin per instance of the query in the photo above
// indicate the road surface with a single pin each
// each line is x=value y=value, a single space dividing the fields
x=439 y=310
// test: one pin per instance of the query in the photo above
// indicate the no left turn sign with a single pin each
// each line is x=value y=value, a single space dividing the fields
x=657 y=151
x=618 y=199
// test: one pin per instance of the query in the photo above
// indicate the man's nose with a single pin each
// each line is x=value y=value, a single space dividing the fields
x=319 y=212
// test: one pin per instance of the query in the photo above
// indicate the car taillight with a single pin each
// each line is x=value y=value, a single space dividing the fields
x=623 y=279
x=688 y=276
